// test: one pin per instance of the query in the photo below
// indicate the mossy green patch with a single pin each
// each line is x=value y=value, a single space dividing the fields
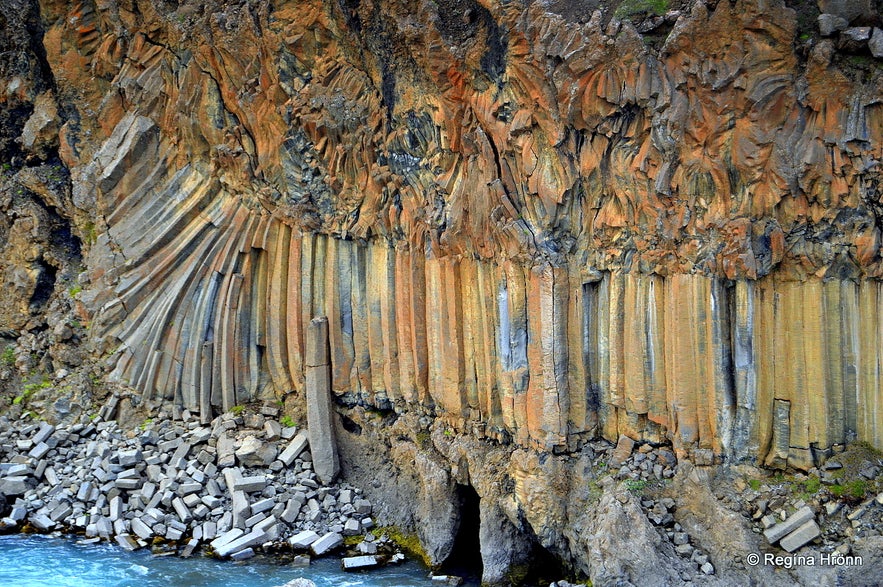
x=29 y=390
x=631 y=8
x=8 y=357
x=406 y=541
x=636 y=485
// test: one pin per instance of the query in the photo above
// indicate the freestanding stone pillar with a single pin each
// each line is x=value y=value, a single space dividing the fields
x=319 y=412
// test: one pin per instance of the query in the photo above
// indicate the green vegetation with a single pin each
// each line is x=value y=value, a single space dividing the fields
x=636 y=485
x=631 y=8
x=407 y=542
x=807 y=488
x=237 y=410
x=29 y=390
x=147 y=422
x=812 y=485
x=90 y=235
x=74 y=290
x=424 y=439
x=286 y=421
x=8 y=357
x=857 y=488
x=754 y=484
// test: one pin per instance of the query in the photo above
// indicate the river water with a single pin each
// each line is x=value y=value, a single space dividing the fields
x=47 y=561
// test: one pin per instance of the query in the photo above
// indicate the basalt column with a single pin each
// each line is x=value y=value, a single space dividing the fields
x=319 y=411
x=538 y=227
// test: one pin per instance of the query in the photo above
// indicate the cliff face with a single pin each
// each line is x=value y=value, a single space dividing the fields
x=527 y=221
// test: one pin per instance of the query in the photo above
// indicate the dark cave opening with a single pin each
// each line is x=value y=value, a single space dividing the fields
x=45 y=284
x=544 y=568
x=465 y=558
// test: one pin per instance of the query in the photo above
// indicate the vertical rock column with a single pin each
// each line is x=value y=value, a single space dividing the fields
x=319 y=413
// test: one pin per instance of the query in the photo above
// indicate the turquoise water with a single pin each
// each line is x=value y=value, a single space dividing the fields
x=46 y=561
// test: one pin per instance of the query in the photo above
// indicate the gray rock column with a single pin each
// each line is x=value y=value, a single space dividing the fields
x=319 y=412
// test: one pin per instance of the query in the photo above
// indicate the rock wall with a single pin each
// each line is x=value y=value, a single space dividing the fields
x=544 y=226
x=534 y=222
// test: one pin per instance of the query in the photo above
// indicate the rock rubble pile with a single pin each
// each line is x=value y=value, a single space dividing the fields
x=241 y=483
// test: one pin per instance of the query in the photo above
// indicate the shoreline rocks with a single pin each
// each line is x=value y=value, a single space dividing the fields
x=225 y=489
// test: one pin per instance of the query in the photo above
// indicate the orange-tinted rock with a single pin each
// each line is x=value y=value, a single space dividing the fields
x=547 y=227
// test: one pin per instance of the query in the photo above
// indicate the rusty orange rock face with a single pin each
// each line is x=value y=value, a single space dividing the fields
x=545 y=223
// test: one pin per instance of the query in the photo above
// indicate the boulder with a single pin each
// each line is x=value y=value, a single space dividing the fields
x=875 y=43
x=849 y=10
x=255 y=452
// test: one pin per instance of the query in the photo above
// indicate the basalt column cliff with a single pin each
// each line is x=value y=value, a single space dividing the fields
x=531 y=224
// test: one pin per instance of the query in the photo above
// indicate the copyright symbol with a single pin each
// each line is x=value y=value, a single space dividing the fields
x=752 y=559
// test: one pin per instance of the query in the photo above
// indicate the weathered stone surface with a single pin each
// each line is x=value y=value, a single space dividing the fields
x=849 y=10
x=875 y=43
x=253 y=538
x=326 y=543
x=254 y=452
x=127 y=542
x=355 y=563
x=320 y=422
x=303 y=539
x=538 y=227
x=831 y=23
x=800 y=536
x=294 y=448
x=624 y=448
x=794 y=521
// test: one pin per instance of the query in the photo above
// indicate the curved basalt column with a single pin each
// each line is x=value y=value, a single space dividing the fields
x=542 y=227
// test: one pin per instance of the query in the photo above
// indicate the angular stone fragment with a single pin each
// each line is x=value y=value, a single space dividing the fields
x=303 y=539
x=830 y=24
x=127 y=541
x=623 y=451
x=254 y=452
x=793 y=522
x=241 y=509
x=326 y=543
x=243 y=554
x=39 y=451
x=253 y=538
x=226 y=448
x=250 y=484
x=294 y=448
x=182 y=510
x=130 y=458
x=10 y=486
x=263 y=505
x=292 y=509
x=875 y=44
x=320 y=422
x=141 y=529
x=354 y=563
x=226 y=538
x=46 y=430
x=803 y=534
